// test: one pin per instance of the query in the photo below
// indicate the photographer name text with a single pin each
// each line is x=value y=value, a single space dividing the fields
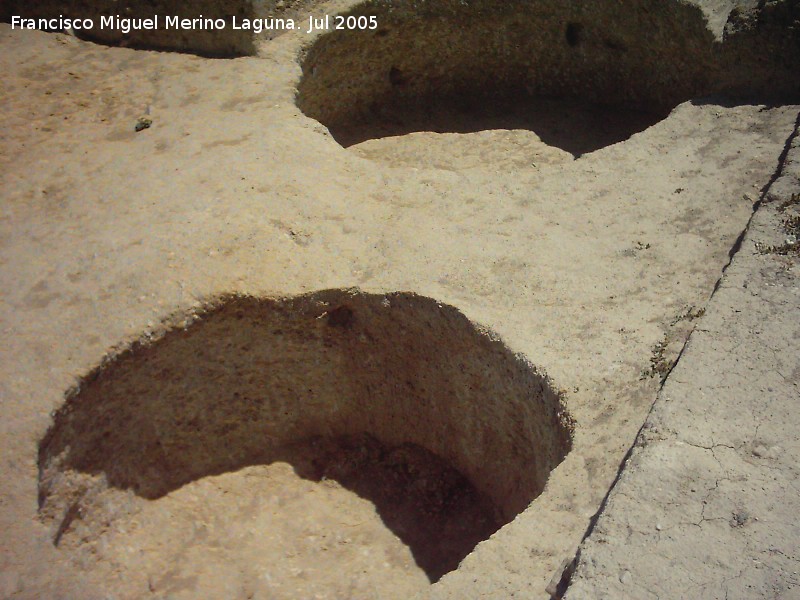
x=166 y=22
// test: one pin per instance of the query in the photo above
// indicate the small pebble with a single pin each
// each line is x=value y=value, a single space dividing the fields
x=143 y=123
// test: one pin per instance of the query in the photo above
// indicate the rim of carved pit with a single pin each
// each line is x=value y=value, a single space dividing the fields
x=496 y=62
x=247 y=381
x=494 y=65
x=244 y=376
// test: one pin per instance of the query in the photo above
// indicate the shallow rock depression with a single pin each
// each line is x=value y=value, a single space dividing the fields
x=397 y=398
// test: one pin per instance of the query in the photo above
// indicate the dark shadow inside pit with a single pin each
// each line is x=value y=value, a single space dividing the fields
x=573 y=126
x=431 y=507
x=581 y=75
x=399 y=398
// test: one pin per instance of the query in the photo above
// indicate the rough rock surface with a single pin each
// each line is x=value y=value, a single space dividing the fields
x=592 y=253
x=707 y=504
